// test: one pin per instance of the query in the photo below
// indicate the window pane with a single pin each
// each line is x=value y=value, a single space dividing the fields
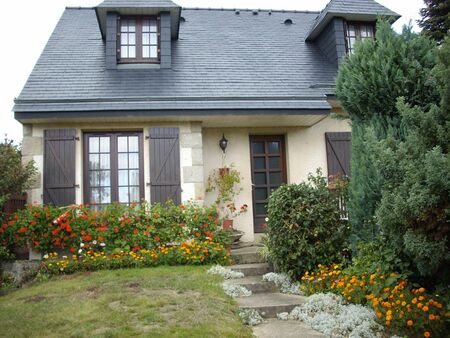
x=105 y=178
x=122 y=145
x=132 y=52
x=131 y=26
x=145 y=39
x=259 y=162
x=153 y=51
x=132 y=39
x=124 y=39
x=274 y=147
x=133 y=161
x=275 y=178
x=123 y=195
x=153 y=27
x=351 y=30
x=145 y=52
x=93 y=145
x=104 y=144
x=258 y=148
x=133 y=143
x=261 y=194
x=124 y=26
x=153 y=39
x=260 y=209
x=94 y=178
x=274 y=162
x=123 y=161
x=260 y=178
x=95 y=195
x=105 y=195
x=134 y=177
x=124 y=52
x=134 y=194
x=123 y=177
x=94 y=161
x=104 y=161
x=145 y=25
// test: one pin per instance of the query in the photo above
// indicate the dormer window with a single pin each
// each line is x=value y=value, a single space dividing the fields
x=139 y=39
x=355 y=31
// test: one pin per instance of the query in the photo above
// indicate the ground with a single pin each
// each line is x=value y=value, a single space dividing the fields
x=161 y=302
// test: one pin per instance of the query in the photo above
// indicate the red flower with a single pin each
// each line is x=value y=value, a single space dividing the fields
x=83 y=232
x=100 y=238
x=146 y=232
x=136 y=248
x=157 y=238
x=22 y=230
x=68 y=228
x=72 y=249
x=182 y=225
x=197 y=234
x=33 y=222
x=136 y=231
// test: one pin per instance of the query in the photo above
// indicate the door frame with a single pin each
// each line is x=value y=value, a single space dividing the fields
x=257 y=228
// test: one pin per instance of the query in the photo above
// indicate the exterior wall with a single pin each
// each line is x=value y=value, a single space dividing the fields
x=332 y=41
x=191 y=155
x=200 y=154
x=305 y=149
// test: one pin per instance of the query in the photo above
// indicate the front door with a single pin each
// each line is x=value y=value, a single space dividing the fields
x=268 y=173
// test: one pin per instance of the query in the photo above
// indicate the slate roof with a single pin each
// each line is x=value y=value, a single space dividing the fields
x=138 y=3
x=350 y=9
x=250 y=62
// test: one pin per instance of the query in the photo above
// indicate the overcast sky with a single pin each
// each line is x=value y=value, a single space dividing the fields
x=27 y=25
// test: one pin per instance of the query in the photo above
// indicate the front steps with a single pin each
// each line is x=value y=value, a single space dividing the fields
x=265 y=298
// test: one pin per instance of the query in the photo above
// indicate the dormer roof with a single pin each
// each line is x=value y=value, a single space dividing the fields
x=139 y=7
x=354 y=10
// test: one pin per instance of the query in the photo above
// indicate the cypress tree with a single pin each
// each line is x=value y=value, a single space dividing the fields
x=436 y=19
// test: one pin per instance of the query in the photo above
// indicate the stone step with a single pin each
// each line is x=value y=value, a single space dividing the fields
x=255 y=284
x=255 y=269
x=274 y=328
x=269 y=304
x=247 y=255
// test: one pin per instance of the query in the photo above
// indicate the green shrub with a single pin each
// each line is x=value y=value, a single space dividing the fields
x=304 y=226
x=15 y=177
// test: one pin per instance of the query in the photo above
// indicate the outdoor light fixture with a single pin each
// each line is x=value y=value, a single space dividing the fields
x=223 y=143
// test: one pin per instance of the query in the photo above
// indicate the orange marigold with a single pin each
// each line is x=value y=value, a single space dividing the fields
x=410 y=323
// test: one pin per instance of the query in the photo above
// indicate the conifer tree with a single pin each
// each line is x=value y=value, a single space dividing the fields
x=436 y=19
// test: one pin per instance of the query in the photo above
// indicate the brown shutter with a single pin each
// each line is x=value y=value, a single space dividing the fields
x=59 y=166
x=165 y=183
x=338 y=153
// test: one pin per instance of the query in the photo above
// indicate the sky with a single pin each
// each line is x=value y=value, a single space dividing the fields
x=23 y=44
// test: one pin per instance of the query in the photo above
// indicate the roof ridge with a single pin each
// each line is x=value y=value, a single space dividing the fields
x=250 y=10
x=79 y=7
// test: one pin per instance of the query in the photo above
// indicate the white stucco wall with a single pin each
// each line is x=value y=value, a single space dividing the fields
x=305 y=152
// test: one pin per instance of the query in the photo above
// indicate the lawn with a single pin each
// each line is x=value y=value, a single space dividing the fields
x=153 y=302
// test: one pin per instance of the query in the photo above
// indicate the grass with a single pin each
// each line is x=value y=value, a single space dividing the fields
x=154 y=302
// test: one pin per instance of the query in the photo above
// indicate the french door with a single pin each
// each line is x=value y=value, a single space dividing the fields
x=268 y=162
x=113 y=168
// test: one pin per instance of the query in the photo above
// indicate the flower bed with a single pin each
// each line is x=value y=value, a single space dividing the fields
x=79 y=229
x=399 y=306
x=187 y=253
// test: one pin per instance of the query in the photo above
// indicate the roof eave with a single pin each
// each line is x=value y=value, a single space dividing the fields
x=320 y=25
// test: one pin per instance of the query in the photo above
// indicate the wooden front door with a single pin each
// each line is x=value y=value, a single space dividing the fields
x=268 y=173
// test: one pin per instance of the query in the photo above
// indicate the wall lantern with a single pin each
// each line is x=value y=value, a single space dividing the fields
x=223 y=143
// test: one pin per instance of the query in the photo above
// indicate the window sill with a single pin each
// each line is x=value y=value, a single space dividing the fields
x=138 y=66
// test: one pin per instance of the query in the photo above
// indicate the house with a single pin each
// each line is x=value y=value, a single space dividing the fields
x=130 y=99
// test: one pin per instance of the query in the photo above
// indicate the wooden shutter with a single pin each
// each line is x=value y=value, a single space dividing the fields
x=338 y=153
x=165 y=183
x=59 y=166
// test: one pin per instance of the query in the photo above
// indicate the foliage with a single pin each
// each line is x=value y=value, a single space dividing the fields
x=435 y=19
x=250 y=317
x=225 y=181
x=15 y=177
x=284 y=282
x=226 y=273
x=236 y=290
x=166 y=301
x=369 y=83
x=400 y=306
x=304 y=226
x=414 y=210
x=330 y=315
x=187 y=253
x=80 y=229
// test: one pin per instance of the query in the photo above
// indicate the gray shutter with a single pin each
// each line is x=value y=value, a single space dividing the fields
x=338 y=153
x=165 y=183
x=59 y=166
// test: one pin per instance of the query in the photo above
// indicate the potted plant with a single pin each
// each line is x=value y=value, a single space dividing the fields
x=225 y=182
